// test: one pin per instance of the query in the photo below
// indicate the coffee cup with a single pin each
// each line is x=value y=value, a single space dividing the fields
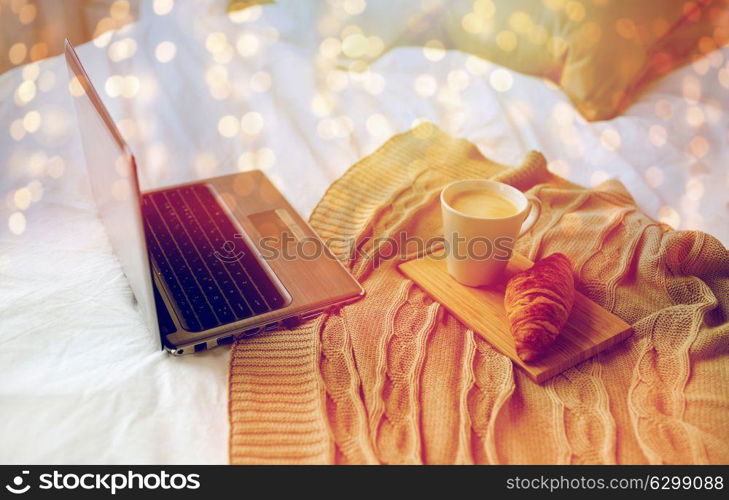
x=481 y=221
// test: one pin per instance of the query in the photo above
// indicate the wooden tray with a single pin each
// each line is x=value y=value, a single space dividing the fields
x=589 y=329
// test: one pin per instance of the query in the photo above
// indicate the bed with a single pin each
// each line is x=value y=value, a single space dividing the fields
x=197 y=93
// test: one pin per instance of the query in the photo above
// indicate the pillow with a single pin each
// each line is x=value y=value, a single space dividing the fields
x=601 y=52
x=236 y=5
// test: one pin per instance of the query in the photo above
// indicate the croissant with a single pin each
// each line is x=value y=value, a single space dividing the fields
x=538 y=302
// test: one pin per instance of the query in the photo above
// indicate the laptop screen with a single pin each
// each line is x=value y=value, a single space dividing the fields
x=114 y=185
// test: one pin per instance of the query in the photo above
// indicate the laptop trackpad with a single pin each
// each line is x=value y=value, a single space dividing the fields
x=278 y=230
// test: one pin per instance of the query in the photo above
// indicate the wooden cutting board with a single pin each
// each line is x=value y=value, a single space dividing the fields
x=589 y=329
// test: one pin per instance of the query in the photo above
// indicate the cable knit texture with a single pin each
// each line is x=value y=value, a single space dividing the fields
x=395 y=379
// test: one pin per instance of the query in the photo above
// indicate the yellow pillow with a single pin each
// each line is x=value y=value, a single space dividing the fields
x=236 y=5
x=601 y=52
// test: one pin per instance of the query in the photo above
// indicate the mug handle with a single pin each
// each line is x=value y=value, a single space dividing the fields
x=534 y=212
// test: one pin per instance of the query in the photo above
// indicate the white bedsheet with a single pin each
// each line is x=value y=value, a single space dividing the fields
x=82 y=380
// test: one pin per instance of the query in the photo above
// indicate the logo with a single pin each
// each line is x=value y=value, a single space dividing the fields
x=229 y=257
x=18 y=488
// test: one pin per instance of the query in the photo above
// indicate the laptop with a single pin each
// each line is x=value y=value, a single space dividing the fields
x=208 y=261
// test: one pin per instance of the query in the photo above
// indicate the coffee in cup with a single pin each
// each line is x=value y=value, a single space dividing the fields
x=481 y=221
x=483 y=203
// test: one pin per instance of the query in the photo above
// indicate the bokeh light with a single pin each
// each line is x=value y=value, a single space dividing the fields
x=598 y=177
x=330 y=47
x=694 y=189
x=119 y=9
x=32 y=121
x=251 y=123
x=379 y=126
x=321 y=105
x=425 y=85
x=472 y=23
x=664 y=109
x=103 y=39
x=263 y=159
x=337 y=81
x=165 y=51
x=228 y=126
x=38 y=51
x=657 y=135
x=355 y=45
x=575 y=11
x=27 y=13
x=205 y=164
x=654 y=177
x=691 y=88
x=128 y=129
x=46 y=81
x=26 y=92
x=669 y=215
x=335 y=127
x=559 y=167
x=247 y=45
x=477 y=66
x=122 y=86
x=434 y=50
x=16 y=223
x=610 y=139
x=374 y=83
x=17 y=130
x=17 y=53
x=506 y=40
x=458 y=80
x=695 y=116
x=520 y=22
x=31 y=71
x=501 y=80
x=122 y=49
x=354 y=7
x=75 y=87
x=260 y=81
x=699 y=146
x=163 y=7
x=22 y=198
x=55 y=167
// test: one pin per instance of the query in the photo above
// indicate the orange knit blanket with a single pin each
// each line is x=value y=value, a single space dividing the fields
x=394 y=378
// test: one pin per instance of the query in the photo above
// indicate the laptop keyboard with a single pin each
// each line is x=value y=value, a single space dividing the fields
x=212 y=276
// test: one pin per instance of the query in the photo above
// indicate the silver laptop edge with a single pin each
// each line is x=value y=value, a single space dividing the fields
x=122 y=217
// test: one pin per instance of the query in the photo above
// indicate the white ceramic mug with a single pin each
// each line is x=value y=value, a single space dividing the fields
x=478 y=248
